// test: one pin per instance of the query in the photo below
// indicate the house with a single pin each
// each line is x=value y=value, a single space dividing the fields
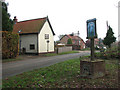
x=97 y=43
x=36 y=35
x=77 y=42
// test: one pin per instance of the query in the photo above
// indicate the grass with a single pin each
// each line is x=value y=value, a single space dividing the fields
x=85 y=49
x=49 y=54
x=64 y=75
x=9 y=60
x=54 y=54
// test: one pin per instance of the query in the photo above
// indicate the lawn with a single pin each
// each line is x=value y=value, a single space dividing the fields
x=9 y=60
x=64 y=75
x=54 y=54
x=44 y=55
x=86 y=49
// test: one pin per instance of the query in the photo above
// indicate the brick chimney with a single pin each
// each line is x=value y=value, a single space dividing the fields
x=15 y=20
x=78 y=33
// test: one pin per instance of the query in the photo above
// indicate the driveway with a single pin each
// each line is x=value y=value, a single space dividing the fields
x=17 y=67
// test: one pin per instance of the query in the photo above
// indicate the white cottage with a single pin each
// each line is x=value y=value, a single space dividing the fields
x=36 y=36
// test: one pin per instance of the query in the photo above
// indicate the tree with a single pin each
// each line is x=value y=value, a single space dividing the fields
x=109 y=39
x=60 y=36
x=7 y=23
x=69 y=41
x=57 y=42
x=100 y=43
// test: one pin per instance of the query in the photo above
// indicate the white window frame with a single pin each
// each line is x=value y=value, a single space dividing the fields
x=46 y=36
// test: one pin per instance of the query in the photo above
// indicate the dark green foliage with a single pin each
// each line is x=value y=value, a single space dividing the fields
x=109 y=39
x=100 y=43
x=7 y=23
x=9 y=45
x=111 y=53
x=57 y=42
x=69 y=41
x=96 y=48
x=119 y=49
x=60 y=36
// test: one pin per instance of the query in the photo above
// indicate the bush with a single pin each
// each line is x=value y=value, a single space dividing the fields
x=96 y=48
x=69 y=41
x=119 y=49
x=10 y=45
x=110 y=53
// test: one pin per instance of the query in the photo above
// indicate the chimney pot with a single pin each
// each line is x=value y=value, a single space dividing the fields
x=15 y=20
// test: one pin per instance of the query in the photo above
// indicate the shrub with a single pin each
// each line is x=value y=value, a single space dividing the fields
x=110 y=53
x=69 y=41
x=119 y=49
x=96 y=48
x=10 y=45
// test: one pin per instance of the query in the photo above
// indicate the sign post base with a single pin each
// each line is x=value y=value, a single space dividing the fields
x=92 y=69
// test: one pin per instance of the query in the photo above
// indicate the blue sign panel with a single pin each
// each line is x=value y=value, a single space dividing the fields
x=91 y=28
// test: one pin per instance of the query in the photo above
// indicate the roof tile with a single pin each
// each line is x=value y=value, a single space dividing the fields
x=29 y=26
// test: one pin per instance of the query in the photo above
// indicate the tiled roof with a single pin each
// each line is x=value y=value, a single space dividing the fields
x=73 y=37
x=30 y=26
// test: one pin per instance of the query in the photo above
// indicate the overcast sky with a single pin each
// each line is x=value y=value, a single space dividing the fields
x=67 y=16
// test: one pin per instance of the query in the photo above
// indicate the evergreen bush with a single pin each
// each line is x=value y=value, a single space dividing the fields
x=10 y=45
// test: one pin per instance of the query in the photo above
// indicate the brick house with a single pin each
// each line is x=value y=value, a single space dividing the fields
x=96 y=42
x=77 y=42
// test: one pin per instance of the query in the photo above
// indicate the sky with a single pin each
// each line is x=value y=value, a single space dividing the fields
x=67 y=16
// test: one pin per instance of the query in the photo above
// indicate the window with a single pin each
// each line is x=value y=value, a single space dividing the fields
x=46 y=36
x=32 y=46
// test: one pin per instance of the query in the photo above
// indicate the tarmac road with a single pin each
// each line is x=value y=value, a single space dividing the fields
x=17 y=67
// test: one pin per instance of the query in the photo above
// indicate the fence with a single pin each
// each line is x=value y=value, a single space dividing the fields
x=64 y=49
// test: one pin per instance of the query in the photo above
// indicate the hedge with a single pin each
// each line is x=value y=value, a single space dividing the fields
x=110 y=53
x=10 y=45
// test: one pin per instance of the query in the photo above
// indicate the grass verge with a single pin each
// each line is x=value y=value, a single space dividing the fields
x=64 y=75
x=9 y=60
x=86 y=49
x=46 y=55
x=54 y=54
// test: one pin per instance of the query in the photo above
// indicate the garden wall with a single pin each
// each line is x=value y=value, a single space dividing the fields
x=64 y=49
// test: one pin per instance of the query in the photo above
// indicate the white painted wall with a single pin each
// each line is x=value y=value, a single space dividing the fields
x=43 y=42
x=26 y=40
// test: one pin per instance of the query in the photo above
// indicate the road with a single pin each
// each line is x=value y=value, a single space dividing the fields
x=17 y=67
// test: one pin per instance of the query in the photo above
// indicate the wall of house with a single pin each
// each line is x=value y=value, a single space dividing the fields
x=26 y=40
x=82 y=44
x=74 y=41
x=64 y=40
x=43 y=45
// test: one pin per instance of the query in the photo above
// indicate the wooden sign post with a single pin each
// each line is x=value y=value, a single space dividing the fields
x=91 y=34
x=92 y=68
x=92 y=49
